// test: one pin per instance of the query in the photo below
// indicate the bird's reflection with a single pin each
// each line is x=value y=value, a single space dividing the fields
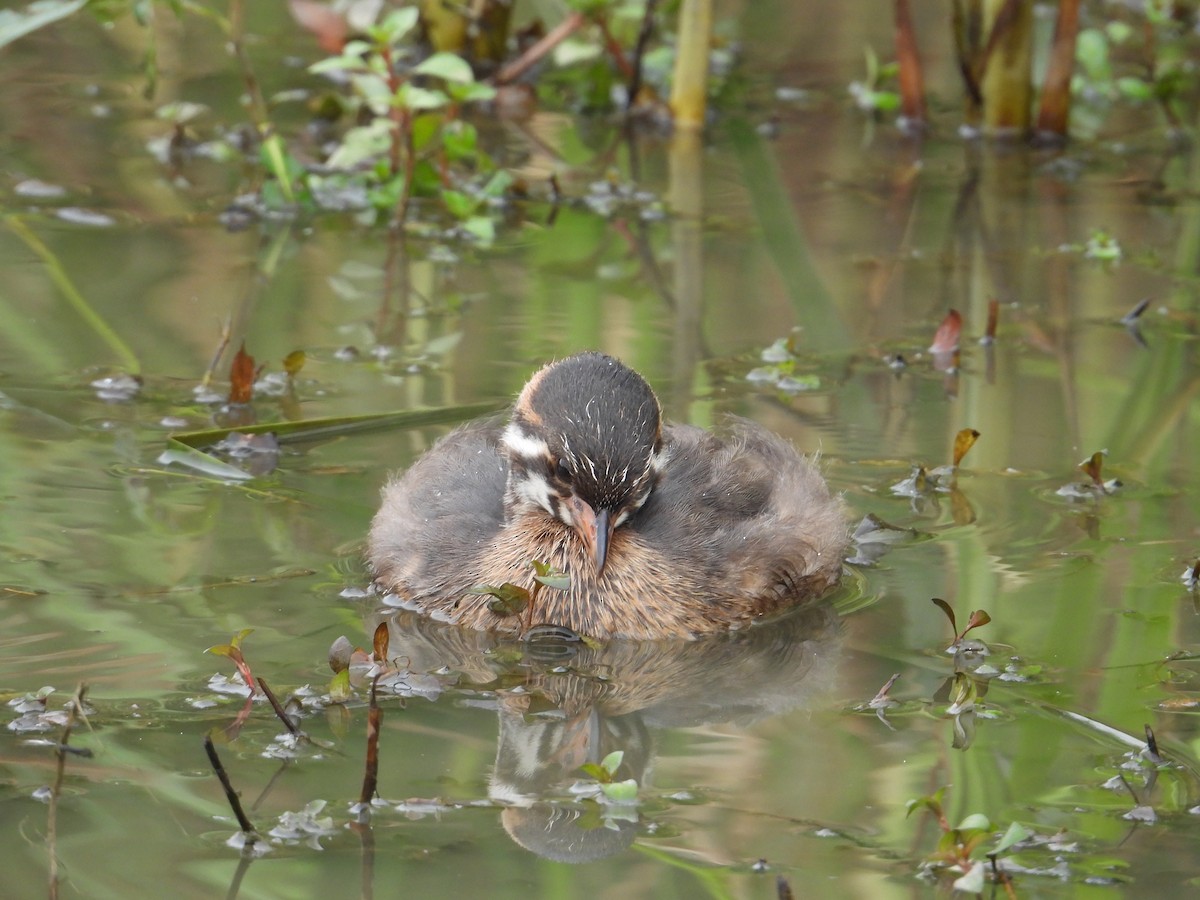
x=563 y=704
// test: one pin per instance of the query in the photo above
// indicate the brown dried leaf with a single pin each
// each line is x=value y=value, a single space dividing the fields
x=380 y=641
x=992 y=320
x=1092 y=467
x=963 y=442
x=241 y=377
x=946 y=338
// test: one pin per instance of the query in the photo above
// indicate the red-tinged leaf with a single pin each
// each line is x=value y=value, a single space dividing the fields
x=322 y=21
x=380 y=642
x=1092 y=467
x=294 y=362
x=946 y=338
x=945 y=607
x=963 y=442
x=978 y=617
x=241 y=377
x=992 y=320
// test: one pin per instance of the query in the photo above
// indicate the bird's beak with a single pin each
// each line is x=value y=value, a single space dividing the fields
x=595 y=529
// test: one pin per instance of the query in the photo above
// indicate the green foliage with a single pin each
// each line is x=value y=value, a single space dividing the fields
x=869 y=94
x=605 y=772
x=413 y=142
x=956 y=847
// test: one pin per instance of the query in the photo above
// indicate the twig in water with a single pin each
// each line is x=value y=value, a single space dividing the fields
x=230 y=794
x=279 y=710
x=75 y=708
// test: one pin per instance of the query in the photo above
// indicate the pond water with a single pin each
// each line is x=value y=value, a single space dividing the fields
x=796 y=219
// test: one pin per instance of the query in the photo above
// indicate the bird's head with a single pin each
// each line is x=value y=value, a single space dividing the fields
x=585 y=446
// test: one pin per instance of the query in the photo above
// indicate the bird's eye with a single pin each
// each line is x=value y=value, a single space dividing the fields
x=562 y=469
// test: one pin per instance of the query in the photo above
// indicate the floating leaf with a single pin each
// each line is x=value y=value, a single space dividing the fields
x=1191 y=576
x=621 y=791
x=508 y=599
x=963 y=442
x=973 y=881
x=945 y=340
x=1014 y=835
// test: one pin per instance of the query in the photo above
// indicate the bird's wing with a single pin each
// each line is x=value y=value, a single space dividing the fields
x=436 y=516
x=747 y=507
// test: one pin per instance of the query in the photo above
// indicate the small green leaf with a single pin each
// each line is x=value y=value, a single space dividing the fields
x=596 y=772
x=612 y=762
x=412 y=97
x=459 y=204
x=447 y=66
x=500 y=182
x=1014 y=835
x=397 y=24
x=621 y=791
x=508 y=599
x=975 y=822
x=973 y=881
x=482 y=228
x=475 y=92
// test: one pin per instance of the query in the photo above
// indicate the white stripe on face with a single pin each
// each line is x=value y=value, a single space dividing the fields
x=519 y=443
x=535 y=490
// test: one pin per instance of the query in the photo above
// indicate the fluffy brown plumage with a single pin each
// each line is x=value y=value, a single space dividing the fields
x=666 y=531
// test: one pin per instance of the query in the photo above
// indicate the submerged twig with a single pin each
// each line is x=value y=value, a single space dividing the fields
x=74 y=708
x=370 y=785
x=280 y=712
x=639 y=52
x=549 y=41
x=230 y=794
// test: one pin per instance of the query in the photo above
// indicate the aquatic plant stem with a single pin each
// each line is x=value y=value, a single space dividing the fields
x=273 y=149
x=689 y=81
x=64 y=283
